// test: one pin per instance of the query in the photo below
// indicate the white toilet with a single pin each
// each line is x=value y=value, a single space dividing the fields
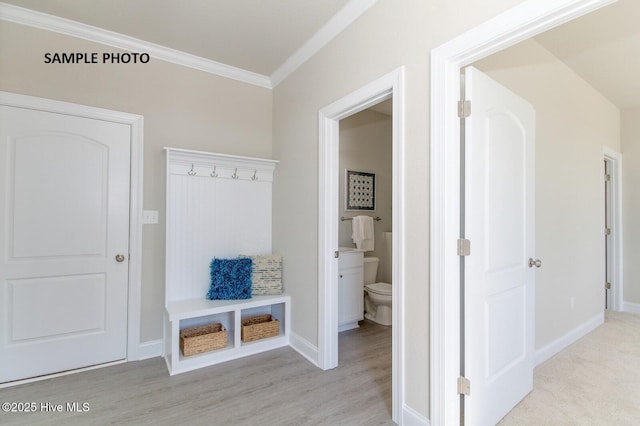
x=377 y=296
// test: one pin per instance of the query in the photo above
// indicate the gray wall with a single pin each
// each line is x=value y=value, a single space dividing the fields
x=631 y=206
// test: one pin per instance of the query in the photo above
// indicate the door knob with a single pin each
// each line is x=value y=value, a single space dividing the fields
x=119 y=258
x=537 y=263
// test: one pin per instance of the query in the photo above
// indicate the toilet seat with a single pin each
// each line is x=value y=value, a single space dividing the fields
x=382 y=289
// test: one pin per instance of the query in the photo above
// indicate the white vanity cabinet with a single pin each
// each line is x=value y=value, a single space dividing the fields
x=350 y=289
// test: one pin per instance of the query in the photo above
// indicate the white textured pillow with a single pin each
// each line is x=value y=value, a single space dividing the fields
x=266 y=275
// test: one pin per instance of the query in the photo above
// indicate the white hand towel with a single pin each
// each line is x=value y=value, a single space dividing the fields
x=363 y=232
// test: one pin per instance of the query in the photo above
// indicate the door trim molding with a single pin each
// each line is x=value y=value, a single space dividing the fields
x=517 y=24
x=617 y=224
x=135 y=202
x=388 y=86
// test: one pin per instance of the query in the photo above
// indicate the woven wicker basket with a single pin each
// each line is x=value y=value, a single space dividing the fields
x=259 y=327
x=201 y=339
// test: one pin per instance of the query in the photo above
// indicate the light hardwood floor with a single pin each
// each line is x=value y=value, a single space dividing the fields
x=279 y=387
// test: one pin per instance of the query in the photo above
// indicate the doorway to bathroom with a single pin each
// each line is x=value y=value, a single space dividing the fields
x=364 y=202
x=388 y=87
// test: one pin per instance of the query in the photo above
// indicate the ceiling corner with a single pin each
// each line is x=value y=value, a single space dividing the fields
x=338 y=23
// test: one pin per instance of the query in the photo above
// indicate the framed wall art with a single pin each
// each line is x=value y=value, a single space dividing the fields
x=360 y=191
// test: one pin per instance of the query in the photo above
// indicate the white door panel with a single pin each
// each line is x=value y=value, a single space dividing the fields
x=499 y=221
x=504 y=180
x=64 y=215
x=84 y=313
x=42 y=191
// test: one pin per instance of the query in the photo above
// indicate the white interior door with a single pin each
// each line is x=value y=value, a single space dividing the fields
x=64 y=217
x=499 y=222
x=608 y=229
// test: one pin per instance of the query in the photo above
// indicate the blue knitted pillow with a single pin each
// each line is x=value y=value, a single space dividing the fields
x=230 y=279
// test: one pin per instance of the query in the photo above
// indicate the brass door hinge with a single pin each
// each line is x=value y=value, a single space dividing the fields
x=464 y=109
x=464 y=386
x=464 y=247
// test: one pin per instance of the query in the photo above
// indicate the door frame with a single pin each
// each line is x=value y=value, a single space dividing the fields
x=616 y=257
x=390 y=86
x=136 y=124
x=523 y=21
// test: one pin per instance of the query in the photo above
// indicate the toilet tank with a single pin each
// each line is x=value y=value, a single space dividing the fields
x=370 y=269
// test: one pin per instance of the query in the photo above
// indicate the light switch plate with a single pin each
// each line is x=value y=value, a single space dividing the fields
x=150 y=217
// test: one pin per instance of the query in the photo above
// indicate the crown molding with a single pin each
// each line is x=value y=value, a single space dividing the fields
x=345 y=17
x=68 y=27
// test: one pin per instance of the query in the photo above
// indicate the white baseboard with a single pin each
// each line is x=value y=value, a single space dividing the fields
x=411 y=417
x=304 y=348
x=634 y=308
x=549 y=350
x=150 y=349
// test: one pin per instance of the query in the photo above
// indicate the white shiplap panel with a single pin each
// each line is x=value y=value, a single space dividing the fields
x=211 y=217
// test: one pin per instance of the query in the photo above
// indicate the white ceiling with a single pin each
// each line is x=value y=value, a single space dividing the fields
x=254 y=35
x=260 y=36
x=604 y=49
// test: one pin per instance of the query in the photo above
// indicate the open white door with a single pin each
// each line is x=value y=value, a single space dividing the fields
x=499 y=222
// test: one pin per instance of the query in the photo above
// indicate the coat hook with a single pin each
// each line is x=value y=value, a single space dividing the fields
x=235 y=174
x=213 y=173
x=254 y=177
x=191 y=172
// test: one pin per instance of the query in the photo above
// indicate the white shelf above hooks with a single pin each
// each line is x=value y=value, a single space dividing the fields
x=214 y=165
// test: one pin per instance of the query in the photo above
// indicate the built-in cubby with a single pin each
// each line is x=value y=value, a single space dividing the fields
x=229 y=313
x=217 y=206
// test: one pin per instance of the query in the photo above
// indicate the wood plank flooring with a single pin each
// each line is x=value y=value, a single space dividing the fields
x=279 y=387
